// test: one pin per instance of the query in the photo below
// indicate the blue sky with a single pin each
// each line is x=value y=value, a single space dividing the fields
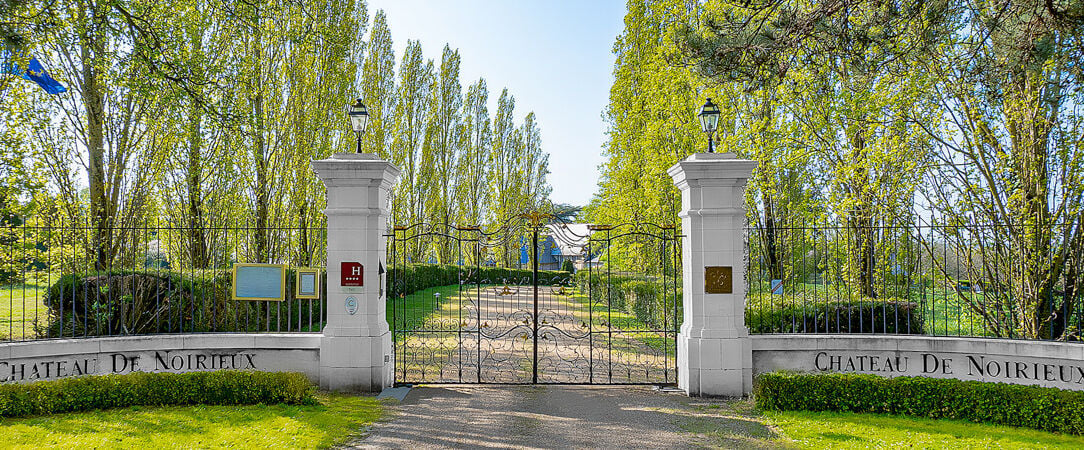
x=554 y=56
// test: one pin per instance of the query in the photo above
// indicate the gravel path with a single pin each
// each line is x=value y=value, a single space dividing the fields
x=472 y=416
x=493 y=329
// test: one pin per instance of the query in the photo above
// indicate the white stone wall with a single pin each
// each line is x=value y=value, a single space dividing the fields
x=53 y=359
x=1050 y=364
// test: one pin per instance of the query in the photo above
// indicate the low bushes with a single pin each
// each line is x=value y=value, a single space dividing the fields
x=155 y=389
x=998 y=403
x=406 y=280
x=784 y=314
x=149 y=302
x=647 y=299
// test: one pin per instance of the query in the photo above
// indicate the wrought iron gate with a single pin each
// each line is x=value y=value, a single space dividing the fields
x=469 y=305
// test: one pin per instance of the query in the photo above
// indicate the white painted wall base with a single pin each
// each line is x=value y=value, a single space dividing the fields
x=356 y=363
x=1049 y=364
x=715 y=367
x=23 y=362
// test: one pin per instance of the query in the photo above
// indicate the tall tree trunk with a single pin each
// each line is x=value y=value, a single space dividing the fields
x=304 y=255
x=262 y=188
x=197 y=236
x=91 y=51
x=769 y=238
x=197 y=240
x=860 y=220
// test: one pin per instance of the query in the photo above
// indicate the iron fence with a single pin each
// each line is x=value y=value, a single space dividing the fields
x=72 y=281
x=1006 y=281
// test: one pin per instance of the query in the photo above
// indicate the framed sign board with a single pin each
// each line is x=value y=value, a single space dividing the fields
x=259 y=282
x=308 y=283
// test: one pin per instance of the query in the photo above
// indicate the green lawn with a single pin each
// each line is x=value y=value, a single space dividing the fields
x=20 y=305
x=333 y=422
x=419 y=309
x=849 y=430
x=622 y=320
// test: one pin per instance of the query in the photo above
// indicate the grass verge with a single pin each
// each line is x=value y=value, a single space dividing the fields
x=852 y=430
x=334 y=421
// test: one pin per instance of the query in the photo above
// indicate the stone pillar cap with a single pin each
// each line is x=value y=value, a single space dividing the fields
x=352 y=168
x=346 y=156
x=712 y=166
x=711 y=156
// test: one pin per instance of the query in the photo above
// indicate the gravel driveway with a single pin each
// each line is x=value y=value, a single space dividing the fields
x=472 y=416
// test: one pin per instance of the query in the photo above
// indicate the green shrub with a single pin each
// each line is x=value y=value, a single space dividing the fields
x=411 y=278
x=150 y=302
x=645 y=298
x=567 y=266
x=1035 y=407
x=227 y=387
x=789 y=314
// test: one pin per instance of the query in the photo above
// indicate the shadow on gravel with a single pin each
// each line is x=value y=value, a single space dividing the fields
x=469 y=416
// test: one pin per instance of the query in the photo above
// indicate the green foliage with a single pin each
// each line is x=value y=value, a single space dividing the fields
x=406 y=280
x=165 y=141
x=567 y=266
x=998 y=403
x=645 y=298
x=225 y=387
x=796 y=314
x=149 y=302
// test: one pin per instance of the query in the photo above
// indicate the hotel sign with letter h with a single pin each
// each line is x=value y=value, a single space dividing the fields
x=352 y=274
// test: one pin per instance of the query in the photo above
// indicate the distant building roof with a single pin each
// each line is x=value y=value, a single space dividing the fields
x=570 y=238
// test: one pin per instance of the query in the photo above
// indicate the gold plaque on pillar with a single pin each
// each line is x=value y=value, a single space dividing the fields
x=718 y=280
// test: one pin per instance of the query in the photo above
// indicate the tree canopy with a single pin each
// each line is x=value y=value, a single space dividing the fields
x=204 y=114
x=866 y=115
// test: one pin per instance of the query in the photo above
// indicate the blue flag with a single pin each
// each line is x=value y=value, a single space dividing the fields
x=523 y=257
x=36 y=73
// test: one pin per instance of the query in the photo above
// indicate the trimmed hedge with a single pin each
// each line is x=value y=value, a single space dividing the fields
x=227 y=387
x=775 y=314
x=1034 y=407
x=649 y=301
x=151 y=302
x=417 y=277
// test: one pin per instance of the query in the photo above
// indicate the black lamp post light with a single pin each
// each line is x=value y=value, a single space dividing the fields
x=709 y=118
x=359 y=119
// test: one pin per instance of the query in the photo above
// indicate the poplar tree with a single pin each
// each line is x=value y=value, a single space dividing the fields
x=446 y=121
x=411 y=118
x=378 y=88
x=475 y=159
x=535 y=166
x=504 y=158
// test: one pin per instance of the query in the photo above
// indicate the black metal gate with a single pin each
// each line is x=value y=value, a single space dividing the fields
x=536 y=300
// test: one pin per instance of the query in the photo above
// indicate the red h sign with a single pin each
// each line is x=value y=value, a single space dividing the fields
x=352 y=274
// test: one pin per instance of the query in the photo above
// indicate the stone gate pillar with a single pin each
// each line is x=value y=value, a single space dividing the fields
x=356 y=349
x=715 y=356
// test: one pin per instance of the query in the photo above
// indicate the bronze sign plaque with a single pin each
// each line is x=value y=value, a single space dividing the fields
x=718 y=280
